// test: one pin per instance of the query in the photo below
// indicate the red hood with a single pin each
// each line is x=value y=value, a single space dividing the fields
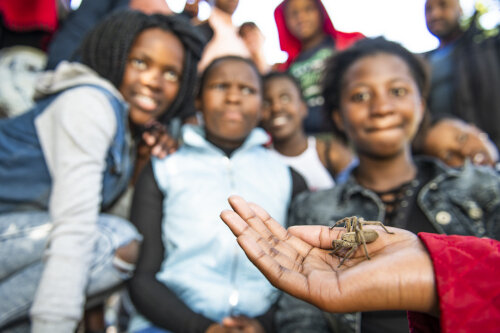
x=292 y=45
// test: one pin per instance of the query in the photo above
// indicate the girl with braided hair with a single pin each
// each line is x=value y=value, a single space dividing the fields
x=66 y=160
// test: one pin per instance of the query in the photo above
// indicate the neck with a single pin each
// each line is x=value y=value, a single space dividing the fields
x=452 y=37
x=312 y=42
x=225 y=145
x=384 y=174
x=221 y=16
x=292 y=146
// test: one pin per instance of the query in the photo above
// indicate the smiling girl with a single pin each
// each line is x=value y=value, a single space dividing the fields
x=70 y=157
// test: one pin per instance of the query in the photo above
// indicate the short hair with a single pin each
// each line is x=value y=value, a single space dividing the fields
x=338 y=64
x=105 y=49
x=216 y=61
x=287 y=76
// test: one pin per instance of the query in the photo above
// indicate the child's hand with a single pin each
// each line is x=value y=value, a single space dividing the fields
x=219 y=328
x=158 y=141
x=243 y=324
x=454 y=141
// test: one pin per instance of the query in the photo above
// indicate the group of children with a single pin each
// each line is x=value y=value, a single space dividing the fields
x=69 y=158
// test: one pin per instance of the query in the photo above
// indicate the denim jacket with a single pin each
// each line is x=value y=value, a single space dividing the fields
x=24 y=177
x=462 y=201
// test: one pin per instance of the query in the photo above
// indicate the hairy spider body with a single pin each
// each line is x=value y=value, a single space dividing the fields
x=355 y=236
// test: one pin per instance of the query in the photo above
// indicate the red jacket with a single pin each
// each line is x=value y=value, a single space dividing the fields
x=292 y=45
x=467 y=271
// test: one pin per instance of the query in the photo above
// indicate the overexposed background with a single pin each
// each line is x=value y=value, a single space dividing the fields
x=402 y=21
x=398 y=20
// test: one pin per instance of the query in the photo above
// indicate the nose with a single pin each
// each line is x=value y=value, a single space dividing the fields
x=152 y=78
x=381 y=105
x=233 y=94
x=275 y=106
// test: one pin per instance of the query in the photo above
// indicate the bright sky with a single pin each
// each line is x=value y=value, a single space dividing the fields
x=399 y=20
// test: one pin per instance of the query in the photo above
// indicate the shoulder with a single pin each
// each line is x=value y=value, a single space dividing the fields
x=85 y=102
x=480 y=183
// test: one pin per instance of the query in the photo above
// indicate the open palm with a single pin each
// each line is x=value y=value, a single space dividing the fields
x=298 y=261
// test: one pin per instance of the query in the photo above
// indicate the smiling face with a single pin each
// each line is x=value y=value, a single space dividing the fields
x=303 y=19
x=152 y=74
x=380 y=106
x=443 y=18
x=231 y=102
x=283 y=109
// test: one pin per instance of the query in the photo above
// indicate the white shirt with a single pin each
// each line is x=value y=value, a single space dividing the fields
x=310 y=167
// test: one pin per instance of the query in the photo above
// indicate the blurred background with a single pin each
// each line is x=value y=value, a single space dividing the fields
x=401 y=21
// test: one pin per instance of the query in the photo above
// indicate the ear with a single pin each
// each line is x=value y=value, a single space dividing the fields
x=337 y=120
x=197 y=104
x=303 y=110
x=423 y=108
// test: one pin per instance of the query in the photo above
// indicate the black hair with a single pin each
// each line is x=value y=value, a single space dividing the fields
x=107 y=46
x=216 y=61
x=338 y=64
x=284 y=75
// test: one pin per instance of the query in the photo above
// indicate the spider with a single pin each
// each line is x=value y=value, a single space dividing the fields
x=355 y=235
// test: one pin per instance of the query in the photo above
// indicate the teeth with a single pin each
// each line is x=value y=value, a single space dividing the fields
x=146 y=102
x=279 y=121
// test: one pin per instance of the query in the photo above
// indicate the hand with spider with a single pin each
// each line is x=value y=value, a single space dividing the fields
x=399 y=275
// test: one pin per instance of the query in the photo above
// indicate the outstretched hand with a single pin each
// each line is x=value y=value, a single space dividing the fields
x=399 y=275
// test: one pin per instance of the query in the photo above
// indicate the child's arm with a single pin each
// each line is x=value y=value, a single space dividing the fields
x=75 y=133
x=152 y=298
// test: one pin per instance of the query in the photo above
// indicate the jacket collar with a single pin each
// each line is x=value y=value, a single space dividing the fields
x=194 y=136
x=435 y=168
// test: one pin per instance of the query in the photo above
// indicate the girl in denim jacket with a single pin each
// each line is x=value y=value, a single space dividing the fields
x=375 y=94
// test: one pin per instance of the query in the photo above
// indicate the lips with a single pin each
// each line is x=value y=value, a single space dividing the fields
x=233 y=115
x=385 y=127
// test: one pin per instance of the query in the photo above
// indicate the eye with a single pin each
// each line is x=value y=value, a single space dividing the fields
x=399 y=92
x=138 y=63
x=285 y=99
x=266 y=104
x=248 y=90
x=360 y=97
x=219 y=86
x=171 y=76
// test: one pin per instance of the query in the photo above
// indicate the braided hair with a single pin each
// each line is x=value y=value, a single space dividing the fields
x=105 y=49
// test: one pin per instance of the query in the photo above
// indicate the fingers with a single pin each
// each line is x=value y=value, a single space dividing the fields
x=256 y=247
x=317 y=235
x=247 y=213
x=258 y=240
x=289 y=280
x=274 y=234
x=159 y=141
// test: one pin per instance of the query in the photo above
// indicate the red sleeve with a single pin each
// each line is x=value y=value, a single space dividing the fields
x=467 y=271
